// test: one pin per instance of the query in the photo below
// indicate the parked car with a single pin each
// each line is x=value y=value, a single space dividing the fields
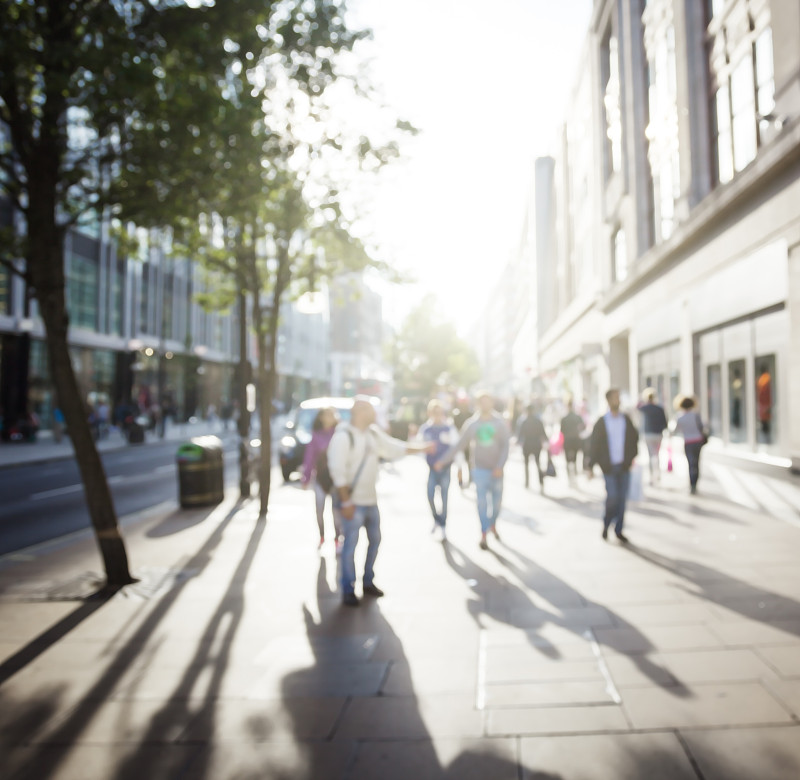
x=297 y=432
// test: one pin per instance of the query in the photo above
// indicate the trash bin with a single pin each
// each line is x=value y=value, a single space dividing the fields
x=200 y=472
x=135 y=433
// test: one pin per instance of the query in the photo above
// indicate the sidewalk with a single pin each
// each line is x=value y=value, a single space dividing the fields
x=552 y=656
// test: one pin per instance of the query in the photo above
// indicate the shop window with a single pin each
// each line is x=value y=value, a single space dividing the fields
x=737 y=402
x=765 y=399
x=714 y=398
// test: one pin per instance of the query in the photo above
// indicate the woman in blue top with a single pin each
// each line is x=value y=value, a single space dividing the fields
x=444 y=434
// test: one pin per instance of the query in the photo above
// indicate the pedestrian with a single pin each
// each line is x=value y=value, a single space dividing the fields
x=613 y=447
x=531 y=436
x=689 y=426
x=316 y=473
x=572 y=427
x=354 y=455
x=654 y=423
x=443 y=433
x=58 y=425
x=488 y=433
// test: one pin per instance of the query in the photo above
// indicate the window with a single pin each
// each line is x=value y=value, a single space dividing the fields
x=117 y=298
x=144 y=300
x=737 y=402
x=82 y=292
x=765 y=399
x=765 y=78
x=714 y=398
x=613 y=107
x=743 y=110
x=741 y=69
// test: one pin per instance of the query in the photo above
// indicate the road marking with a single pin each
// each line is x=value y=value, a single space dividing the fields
x=56 y=492
x=165 y=469
x=611 y=689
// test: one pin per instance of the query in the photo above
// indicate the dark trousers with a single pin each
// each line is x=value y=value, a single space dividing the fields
x=535 y=455
x=617 y=481
x=692 y=449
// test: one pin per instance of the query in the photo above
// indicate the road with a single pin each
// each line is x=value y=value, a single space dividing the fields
x=44 y=501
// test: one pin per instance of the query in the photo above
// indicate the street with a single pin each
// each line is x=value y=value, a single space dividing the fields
x=42 y=501
x=551 y=655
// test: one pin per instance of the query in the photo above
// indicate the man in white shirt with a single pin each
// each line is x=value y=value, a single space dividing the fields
x=354 y=455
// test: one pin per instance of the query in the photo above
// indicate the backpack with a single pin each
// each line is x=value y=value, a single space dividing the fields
x=324 y=479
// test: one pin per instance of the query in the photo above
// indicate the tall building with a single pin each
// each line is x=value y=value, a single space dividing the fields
x=675 y=186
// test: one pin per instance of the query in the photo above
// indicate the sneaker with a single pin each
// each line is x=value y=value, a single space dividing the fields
x=373 y=590
x=496 y=535
x=339 y=546
x=622 y=538
x=605 y=532
x=321 y=542
x=350 y=600
x=483 y=544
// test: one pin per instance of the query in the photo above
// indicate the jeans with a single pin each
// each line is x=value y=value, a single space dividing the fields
x=617 y=482
x=369 y=517
x=488 y=487
x=442 y=480
x=320 y=497
x=692 y=449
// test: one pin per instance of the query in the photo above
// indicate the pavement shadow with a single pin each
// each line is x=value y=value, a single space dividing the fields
x=178 y=520
x=736 y=595
x=55 y=633
x=542 y=580
x=499 y=597
x=45 y=762
x=495 y=598
x=375 y=734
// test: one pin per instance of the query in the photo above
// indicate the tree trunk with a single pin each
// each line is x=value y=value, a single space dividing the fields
x=267 y=370
x=46 y=259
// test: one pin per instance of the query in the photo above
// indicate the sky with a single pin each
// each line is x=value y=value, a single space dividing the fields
x=486 y=81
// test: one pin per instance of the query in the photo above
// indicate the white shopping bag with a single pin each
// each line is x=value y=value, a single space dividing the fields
x=635 y=489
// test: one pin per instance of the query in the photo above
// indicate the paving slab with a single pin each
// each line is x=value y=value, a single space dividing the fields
x=618 y=756
x=732 y=704
x=744 y=754
x=461 y=759
x=557 y=720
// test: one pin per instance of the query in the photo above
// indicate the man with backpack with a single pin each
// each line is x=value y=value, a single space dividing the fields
x=354 y=455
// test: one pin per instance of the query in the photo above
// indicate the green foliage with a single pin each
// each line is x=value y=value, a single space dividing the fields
x=429 y=354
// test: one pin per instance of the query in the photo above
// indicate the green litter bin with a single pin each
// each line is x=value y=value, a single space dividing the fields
x=200 y=472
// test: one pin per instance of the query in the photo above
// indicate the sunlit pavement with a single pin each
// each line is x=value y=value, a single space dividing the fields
x=552 y=655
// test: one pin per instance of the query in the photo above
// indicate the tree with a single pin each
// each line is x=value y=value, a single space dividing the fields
x=429 y=354
x=105 y=104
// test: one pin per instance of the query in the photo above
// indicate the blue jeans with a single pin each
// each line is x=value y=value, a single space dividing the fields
x=488 y=488
x=369 y=517
x=616 y=492
x=442 y=479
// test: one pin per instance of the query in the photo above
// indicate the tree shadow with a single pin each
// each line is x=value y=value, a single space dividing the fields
x=374 y=734
x=60 y=739
x=55 y=633
x=177 y=521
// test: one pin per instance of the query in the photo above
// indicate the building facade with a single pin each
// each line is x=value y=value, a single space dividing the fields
x=139 y=337
x=675 y=189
